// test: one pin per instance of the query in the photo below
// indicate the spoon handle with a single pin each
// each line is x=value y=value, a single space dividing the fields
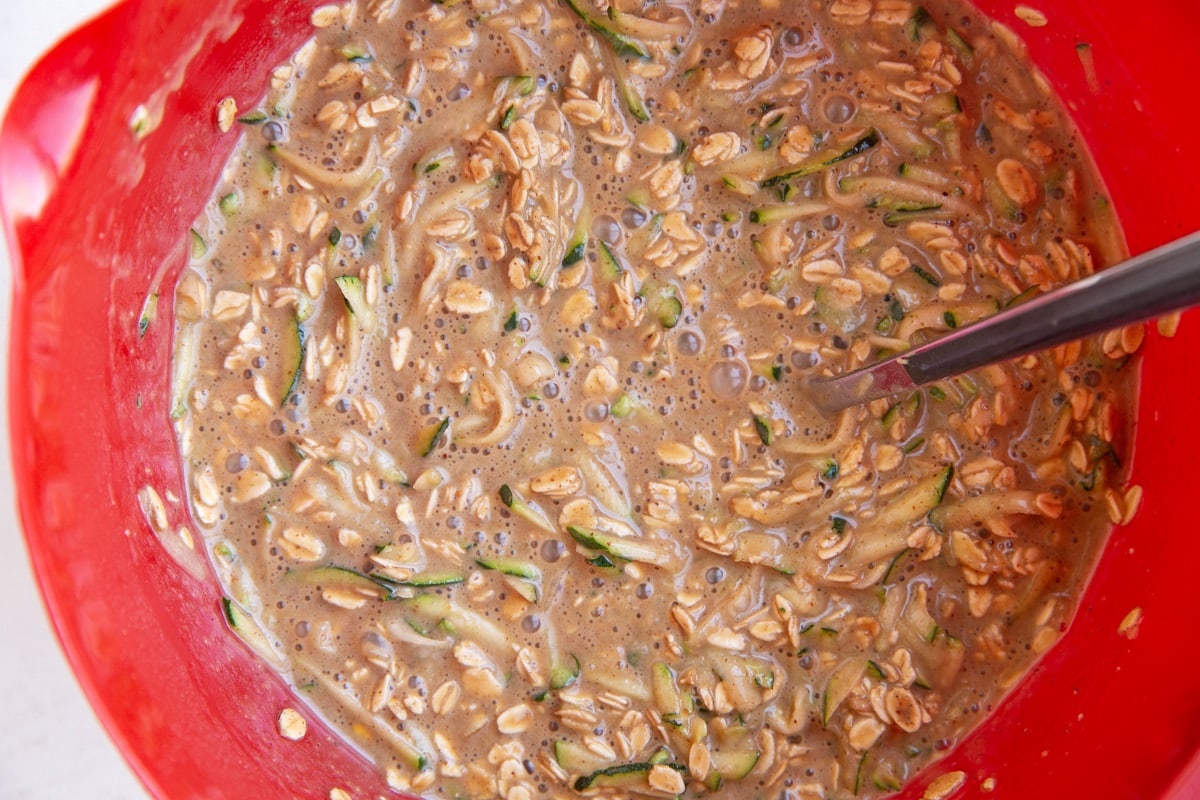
x=1149 y=285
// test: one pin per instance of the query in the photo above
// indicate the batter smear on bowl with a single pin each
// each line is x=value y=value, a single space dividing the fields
x=489 y=373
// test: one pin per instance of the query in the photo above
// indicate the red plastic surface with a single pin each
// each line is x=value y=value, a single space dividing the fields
x=96 y=214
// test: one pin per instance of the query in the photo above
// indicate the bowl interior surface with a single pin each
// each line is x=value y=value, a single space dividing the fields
x=108 y=152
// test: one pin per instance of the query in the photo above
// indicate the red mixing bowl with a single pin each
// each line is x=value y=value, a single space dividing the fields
x=109 y=151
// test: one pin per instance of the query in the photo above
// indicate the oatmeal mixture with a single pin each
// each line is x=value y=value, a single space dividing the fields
x=490 y=388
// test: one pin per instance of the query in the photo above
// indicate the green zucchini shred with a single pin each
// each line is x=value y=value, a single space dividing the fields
x=579 y=239
x=562 y=676
x=230 y=203
x=522 y=85
x=662 y=302
x=623 y=406
x=618 y=547
x=516 y=505
x=602 y=561
x=426 y=579
x=512 y=567
x=292 y=349
x=356 y=54
x=1024 y=297
x=894 y=219
x=610 y=267
x=919 y=24
x=862 y=763
x=762 y=427
x=149 y=314
x=926 y=276
x=892 y=566
x=355 y=296
x=253 y=118
x=197 y=248
x=432 y=436
x=956 y=40
x=622 y=44
x=574 y=253
x=739 y=185
x=619 y=771
x=863 y=144
x=660 y=756
x=629 y=93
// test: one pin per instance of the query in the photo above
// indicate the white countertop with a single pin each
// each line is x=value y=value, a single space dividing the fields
x=51 y=745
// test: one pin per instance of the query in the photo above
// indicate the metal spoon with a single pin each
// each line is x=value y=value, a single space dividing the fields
x=1144 y=287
